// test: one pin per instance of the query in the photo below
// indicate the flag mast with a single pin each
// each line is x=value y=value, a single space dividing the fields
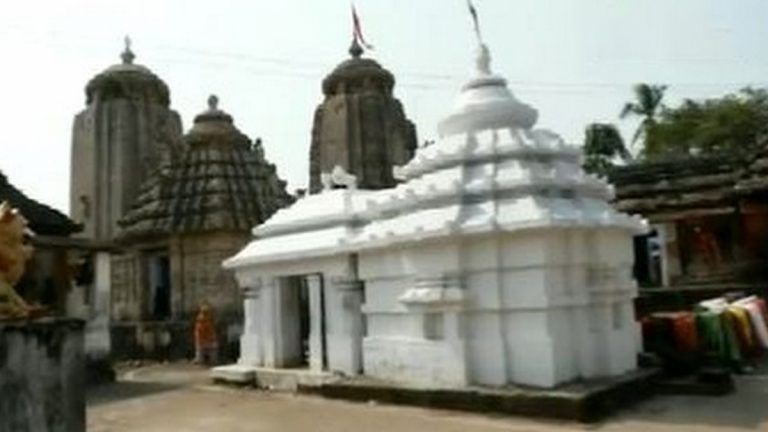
x=483 y=61
x=358 y=40
x=475 y=21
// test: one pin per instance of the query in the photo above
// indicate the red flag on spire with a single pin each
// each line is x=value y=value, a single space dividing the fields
x=357 y=31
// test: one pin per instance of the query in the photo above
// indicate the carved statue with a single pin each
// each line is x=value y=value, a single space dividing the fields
x=15 y=250
x=339 y=177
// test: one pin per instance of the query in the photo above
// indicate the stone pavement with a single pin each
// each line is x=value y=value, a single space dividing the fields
x=179 y=397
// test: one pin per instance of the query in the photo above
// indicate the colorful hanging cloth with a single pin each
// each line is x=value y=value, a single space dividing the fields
x=757 y=318
x=743 y=329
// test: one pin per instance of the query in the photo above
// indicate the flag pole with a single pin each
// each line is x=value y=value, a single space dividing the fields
x=475 y=21
x=357 y=30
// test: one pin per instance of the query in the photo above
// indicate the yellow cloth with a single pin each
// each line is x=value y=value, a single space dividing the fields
x=743 y=328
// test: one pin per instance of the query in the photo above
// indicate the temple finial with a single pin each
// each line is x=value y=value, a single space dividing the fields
x=213 y=103
x=483 y=60
x=355 y=50
x=127 y=54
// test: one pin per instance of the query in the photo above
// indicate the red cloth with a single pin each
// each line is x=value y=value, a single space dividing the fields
x=683 y=329
x=686 y=335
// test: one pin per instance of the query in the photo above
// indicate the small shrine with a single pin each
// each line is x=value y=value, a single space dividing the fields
x=707 y=216
x=188 y=216
x=495 y=261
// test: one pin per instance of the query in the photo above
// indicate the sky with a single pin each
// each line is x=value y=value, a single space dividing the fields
x=573 y=60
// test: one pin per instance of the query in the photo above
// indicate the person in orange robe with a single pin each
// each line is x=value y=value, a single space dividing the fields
x=206 y=341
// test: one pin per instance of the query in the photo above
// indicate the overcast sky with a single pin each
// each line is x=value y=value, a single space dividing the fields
x=574 y=60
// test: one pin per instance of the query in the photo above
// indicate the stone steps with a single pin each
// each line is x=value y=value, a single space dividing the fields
x=271 y=379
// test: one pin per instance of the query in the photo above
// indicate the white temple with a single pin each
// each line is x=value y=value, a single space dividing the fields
x=496 y=261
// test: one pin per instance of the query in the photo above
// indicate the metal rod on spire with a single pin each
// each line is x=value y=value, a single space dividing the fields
x=476 y=21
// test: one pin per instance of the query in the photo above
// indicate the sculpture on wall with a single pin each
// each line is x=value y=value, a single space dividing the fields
x=15 y=250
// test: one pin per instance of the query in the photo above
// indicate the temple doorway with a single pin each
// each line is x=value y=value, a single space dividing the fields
x=159 y=286
x=303 y=322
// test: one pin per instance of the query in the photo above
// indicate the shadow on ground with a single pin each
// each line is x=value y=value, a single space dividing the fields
x=120 y=391
x=744 y=409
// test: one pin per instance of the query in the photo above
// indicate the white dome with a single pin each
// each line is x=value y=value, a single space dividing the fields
x=485 y=102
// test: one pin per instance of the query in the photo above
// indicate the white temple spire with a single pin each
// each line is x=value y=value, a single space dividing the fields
x=483 y=60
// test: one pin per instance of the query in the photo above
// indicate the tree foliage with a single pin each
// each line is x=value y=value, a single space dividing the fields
x=603 y=147
x=647 y=105
x=735 y=124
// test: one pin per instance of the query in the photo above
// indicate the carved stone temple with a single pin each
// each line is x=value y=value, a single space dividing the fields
x=497 y=260
x=360 y=125
x=188 y=217
x=126 y=130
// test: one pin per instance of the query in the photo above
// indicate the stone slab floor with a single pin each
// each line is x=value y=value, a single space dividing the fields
x=178 y=397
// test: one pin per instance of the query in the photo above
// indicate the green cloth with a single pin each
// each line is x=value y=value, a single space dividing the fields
x=718 y=337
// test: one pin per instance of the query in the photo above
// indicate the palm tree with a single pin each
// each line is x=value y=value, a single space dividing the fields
x=647 y=106
x=602 y=146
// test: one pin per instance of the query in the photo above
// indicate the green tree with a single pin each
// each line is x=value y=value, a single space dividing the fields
x=603 y=146
x=735 y=124
x=647 y=106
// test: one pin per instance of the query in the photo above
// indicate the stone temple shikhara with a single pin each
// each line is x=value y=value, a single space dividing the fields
x=122 y=136
x=167 y=206
x=360 y=126
x=497 y=260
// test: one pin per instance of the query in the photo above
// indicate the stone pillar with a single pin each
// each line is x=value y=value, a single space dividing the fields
x=250 y=341
x=662 y=234
x=42 y=386
x=316 y=324
x=97 y=338
x=268 y=324
x=345 y=325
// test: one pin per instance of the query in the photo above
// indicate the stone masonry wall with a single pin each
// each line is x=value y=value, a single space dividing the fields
x=42 y=385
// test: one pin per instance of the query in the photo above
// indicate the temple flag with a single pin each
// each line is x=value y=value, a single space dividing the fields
x=357 y=31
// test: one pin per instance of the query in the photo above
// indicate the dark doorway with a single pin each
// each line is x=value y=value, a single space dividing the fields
x=295 y=322
x=648 y=256
x=304 y=320
x=160 y=287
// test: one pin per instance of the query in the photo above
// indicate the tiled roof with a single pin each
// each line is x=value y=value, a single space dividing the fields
x=42 y=219
x=220 y=182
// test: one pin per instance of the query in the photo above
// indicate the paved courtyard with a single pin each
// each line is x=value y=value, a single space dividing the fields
x=178 y=397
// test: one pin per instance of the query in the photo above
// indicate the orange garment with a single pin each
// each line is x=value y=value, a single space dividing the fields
x=205 y=329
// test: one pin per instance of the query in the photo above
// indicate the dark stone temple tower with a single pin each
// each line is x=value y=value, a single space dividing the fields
x=126 y=131
x=360 y=125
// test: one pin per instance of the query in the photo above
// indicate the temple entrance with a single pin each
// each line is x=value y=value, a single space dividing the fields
x=159 y=276
x=302 y=322
x=647 y=268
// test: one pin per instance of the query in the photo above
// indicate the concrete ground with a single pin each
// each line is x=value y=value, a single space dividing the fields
x=179 y=397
